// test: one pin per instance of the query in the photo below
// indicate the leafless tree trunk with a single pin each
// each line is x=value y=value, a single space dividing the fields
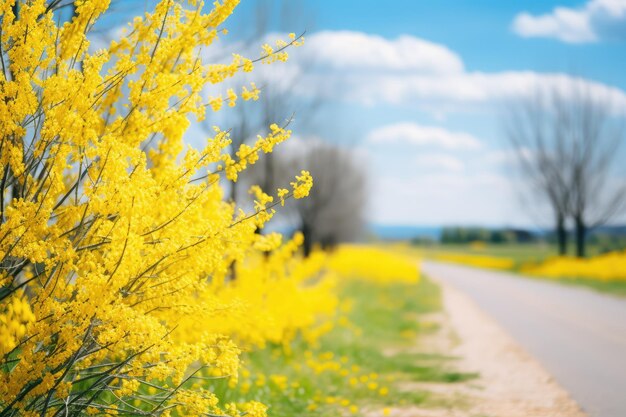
x=566 y=141
x=334 y=210
x=594 y=132
x=561 y=234
x=540 y=150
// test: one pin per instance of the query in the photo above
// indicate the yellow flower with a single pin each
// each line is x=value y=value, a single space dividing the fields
x=216 y=102
x=252 y=94
x=282 y=193
x=232 y=97
x=302 y=185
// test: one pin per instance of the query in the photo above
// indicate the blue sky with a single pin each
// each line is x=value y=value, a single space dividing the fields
x=479 y=30
x=415 y=86
x=429 y=184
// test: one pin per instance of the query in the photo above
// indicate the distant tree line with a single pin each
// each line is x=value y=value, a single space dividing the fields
x=457 y=235
x=603 y=239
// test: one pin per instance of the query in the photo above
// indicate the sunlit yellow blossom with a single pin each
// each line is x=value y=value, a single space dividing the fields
x=252 y=94
x=282 y=193
x=15 y=317
x=232 y=97
x=302 y=185
x=216 y=103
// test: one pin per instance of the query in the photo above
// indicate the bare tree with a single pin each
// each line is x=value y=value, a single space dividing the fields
x=594 y=134
x=566 y=142
x=334 y=210
x=541 y=151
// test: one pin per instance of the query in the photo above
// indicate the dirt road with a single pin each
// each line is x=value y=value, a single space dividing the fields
x=578 y=336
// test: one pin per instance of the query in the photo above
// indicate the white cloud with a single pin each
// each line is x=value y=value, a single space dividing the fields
x=357 y=51
x=564 y=24
x=437 y=162
x=446 y=198
x=368 y=69
x=595 y=20
x=342 y=66
x=415 y=134
x=503 y=157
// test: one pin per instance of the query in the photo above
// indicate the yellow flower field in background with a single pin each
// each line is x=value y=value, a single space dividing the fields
x=375 y=264
x=606 y=267
x=479 y=261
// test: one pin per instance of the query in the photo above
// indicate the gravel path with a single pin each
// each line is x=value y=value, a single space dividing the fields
x=511 y=382
x=578 y=335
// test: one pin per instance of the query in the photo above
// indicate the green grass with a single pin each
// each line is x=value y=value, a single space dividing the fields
x=389 y=317
x=384 y=319
x=520 y=253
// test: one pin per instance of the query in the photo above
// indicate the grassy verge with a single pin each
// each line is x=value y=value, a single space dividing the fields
x=351 y=370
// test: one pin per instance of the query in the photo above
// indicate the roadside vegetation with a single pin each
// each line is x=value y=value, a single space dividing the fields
x=363 y=359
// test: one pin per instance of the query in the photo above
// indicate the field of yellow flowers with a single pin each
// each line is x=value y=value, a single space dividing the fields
x=605 y=272
x=606 y=267
x=479 y=261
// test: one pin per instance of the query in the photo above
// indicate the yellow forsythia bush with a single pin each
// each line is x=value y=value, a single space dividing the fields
x=606 y=267
x=274 y=298
x=15 y=316
x=116 y=288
